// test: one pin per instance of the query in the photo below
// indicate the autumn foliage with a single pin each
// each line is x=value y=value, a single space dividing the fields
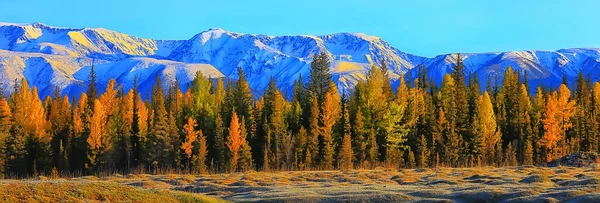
x=222 y=127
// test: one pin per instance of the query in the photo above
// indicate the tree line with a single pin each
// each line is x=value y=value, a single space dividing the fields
x=222 y=128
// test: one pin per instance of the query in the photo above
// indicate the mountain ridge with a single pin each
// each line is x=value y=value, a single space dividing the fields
x=260 y=56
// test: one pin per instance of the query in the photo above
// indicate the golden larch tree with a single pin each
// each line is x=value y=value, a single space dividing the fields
x=98 y=142
x=109 y=99
x=234 y=140
x=557 y=120
x=5 y=125
x=489 y=129
x=328 y=115
x=191 y=134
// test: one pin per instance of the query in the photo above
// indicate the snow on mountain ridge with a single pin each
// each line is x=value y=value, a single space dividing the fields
x=286 y=57
x=260 y=56
x=84 y=42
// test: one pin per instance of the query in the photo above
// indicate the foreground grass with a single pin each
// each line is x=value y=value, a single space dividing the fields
x=483 y=184
x=89 y=191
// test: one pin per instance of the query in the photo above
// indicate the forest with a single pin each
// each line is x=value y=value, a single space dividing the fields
x=218 y=126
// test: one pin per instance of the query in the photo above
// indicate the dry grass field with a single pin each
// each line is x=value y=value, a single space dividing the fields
x=61 y=190
x=486 y=184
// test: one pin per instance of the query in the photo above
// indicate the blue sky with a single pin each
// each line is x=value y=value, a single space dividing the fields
x=424 y=27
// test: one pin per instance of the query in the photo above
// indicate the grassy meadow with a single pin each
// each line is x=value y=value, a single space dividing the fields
x=482 y=184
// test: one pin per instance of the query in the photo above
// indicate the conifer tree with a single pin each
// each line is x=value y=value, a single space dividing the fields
x=328 y=115
x=16 y=152
x=200 y=158
x=159 y=146
x=437 y=138
x=584 y=115
x=452 y=138
x=312 y=141
x=345 y=154
x=300 y=148
x=375 y=109
x=460 y=98
x=5 y=127
x=511 y=155
x=320 y=77
x=473 y=136
x=490 y=135
x=274 y=118
x=219 y=145
x=422 y=152
x=242 y=98
x=234 y=141
x=109 y=98
x=524 y=122
x=139 y=128
x=191 y=134
x=372 y=149
x=29 y=115
x=59 y=119
x=528 y=156
x=397 y=132
x=245 y=161
x=92 y=90
x=559 y=110
x=410 y=161
x=359 y=138
x=63 y=161
x=219 y=95
x=119 y=128
x=595 y=106
x=538 y=108
x=98 y=142
x=78 y=145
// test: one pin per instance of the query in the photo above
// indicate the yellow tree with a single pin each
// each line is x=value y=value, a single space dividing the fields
x=59 y=119
x=234 y=140
x=397 y=130
x=329 y=113
x=245 y=154
x=29 y=115
x=143 y=114
x=28 y=110
x=190 y=137
x=78 y=148
x=345 y=155
x=127 y=109
x=559 y=110
x=5 y=125
x=98 y=142
x=109 y=98
x=551 y=126
x=489 y=129
x=566 y=110
x=200 y=158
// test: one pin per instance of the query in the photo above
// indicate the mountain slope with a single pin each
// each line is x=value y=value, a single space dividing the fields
x=286 y=57
x=542 y=67
x=85 y=42
x=52 y=57
x=145 y=70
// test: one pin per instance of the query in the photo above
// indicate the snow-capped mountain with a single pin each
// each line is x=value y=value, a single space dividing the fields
x=542 y=67
x=286 y=57
x=86 y=42
x=50 y=57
